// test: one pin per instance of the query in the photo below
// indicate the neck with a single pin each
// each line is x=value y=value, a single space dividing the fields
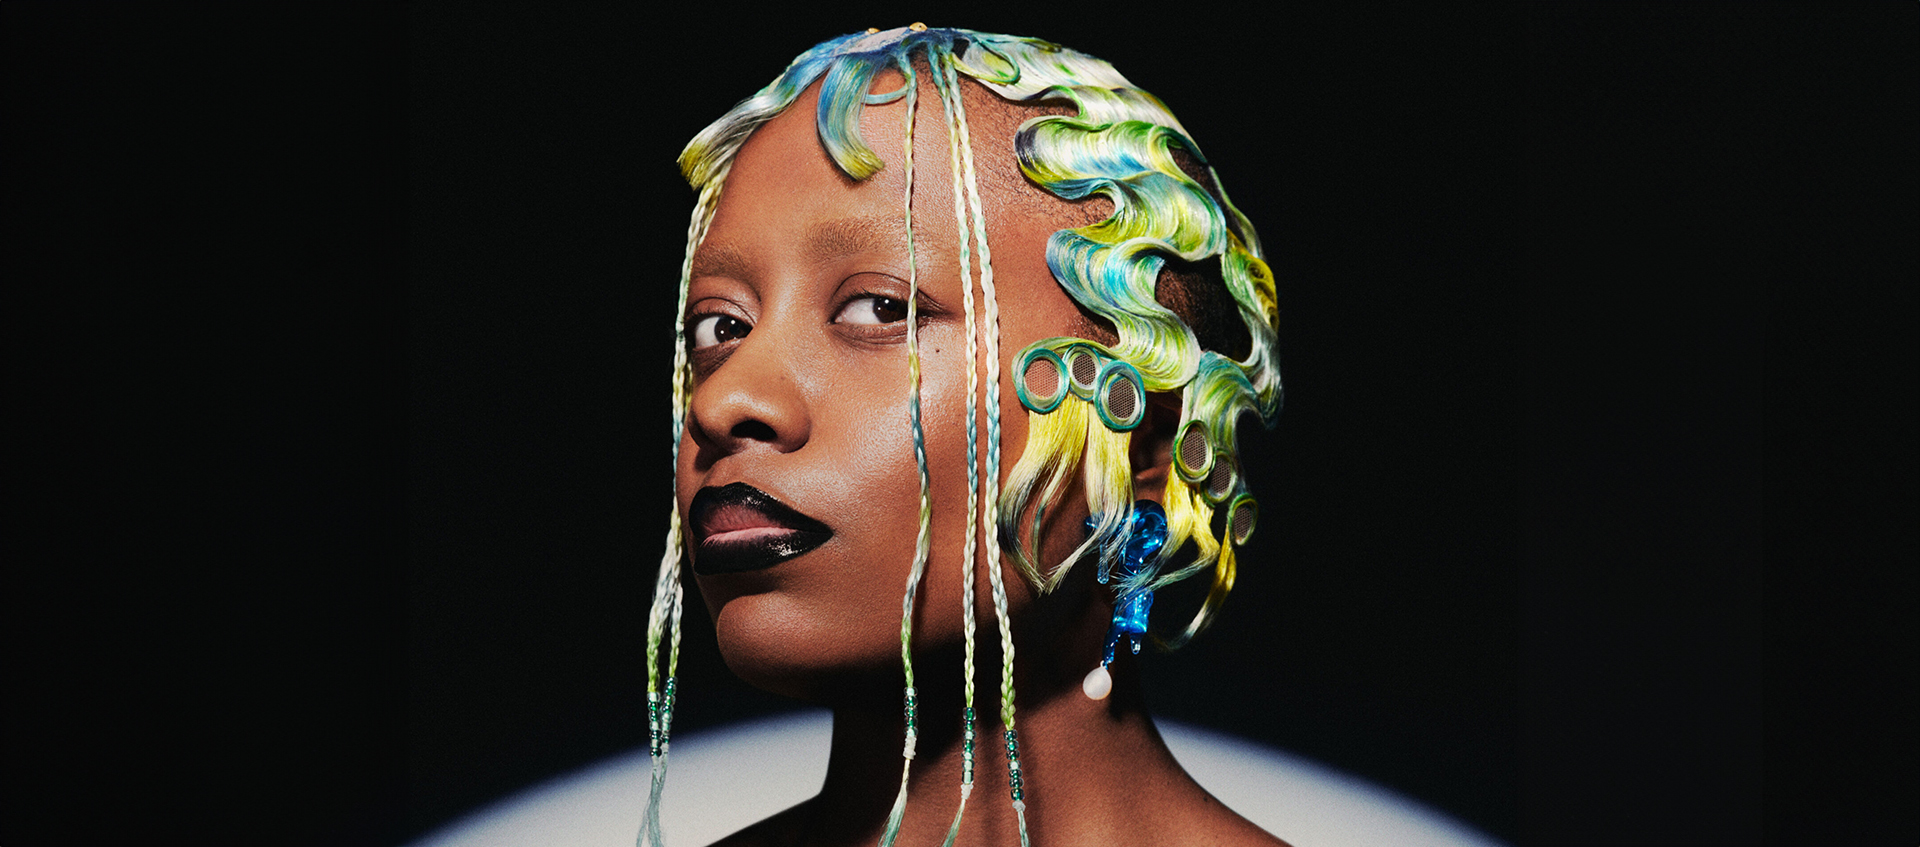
x=1087 y=766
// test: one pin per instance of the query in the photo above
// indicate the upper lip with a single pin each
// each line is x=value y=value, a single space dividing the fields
x=741 y=508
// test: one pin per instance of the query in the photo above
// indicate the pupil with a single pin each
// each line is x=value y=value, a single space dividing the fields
x=728 y=329
x=888 y=310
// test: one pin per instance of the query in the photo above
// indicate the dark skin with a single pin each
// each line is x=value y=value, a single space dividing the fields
x=796 y=314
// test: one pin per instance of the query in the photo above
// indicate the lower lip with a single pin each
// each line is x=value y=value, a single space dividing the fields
x=753 y=549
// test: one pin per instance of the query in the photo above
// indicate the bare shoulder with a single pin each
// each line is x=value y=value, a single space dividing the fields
x=1240 y=832
x=777 y=831
x=1213 y=824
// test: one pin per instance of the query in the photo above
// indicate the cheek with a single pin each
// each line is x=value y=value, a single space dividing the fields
x=685 y=482
x=863 y=437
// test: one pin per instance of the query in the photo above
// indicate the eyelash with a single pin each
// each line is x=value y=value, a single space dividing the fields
x=714 y=323
x=876 y=300
x=704 y=329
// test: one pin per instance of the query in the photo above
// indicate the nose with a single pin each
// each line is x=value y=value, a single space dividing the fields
x=751 y=402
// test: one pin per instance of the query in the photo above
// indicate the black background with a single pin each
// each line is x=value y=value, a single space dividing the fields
x=336 y=344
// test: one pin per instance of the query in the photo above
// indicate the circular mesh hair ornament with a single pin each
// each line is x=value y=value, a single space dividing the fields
x=1220 y=481
x=1122 y=396
x=1083 y=366
x=1042 y=384
x=1242 y=517
x=1193 y=452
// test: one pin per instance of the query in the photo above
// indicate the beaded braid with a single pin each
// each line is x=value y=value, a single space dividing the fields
x=919 y=569
x=664 y=612
x=992 y=355
x=947 y=84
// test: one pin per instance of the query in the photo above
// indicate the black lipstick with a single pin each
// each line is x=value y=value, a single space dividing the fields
x=742 y=528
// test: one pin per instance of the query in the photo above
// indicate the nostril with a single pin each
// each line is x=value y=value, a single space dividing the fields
x=752 y=430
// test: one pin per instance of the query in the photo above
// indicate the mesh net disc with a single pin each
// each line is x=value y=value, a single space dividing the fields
x=1194 y=447
x=1084 y=368
x=1122 y=402
x=1243 y=521
x=1043 y=379
x=1221 y=480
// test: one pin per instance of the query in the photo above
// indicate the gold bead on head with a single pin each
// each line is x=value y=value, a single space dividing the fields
x=917 y=26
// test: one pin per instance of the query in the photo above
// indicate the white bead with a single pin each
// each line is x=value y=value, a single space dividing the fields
x=1098 y=684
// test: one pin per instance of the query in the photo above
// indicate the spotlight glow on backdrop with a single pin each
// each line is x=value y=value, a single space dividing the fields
x=726 y=778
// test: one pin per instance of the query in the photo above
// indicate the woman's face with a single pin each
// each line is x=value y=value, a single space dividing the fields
x=797 y=479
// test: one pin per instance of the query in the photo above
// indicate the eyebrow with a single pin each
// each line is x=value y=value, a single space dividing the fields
x=719 y=260
x=826 y=240
x=847 y=236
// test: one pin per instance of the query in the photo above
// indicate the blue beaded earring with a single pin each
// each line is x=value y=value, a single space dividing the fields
x=1146 y=534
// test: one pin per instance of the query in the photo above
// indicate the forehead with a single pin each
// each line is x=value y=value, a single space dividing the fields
x=784 y=179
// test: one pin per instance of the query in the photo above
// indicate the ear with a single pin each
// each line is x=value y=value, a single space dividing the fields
x=1151 y=449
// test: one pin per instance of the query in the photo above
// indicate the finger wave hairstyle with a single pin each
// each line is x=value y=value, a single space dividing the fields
x=1174 y=275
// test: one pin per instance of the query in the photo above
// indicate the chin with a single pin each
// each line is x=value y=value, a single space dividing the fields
x=773 y=643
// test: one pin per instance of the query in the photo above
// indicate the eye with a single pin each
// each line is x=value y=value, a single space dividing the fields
x=713 y=330
x=872 y=310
